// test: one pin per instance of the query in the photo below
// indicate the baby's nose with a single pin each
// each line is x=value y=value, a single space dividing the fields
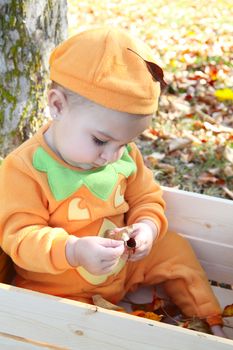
x=111 y=156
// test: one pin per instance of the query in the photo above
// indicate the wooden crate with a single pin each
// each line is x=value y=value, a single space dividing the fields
x=30 y=320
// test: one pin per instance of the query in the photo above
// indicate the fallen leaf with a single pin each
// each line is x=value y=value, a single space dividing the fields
x=205 y=117
x=153 y=316
x=154 y=69
x=187 y=157
x=153 y=158
x=214 y=171
x=98 y=300
x=228 y=170
x=196 y=324
x=228 y=311
x=149 y=135
x=197 y=125
x=228 y=154
x=149 y=315
x=207 y=177
x=139 y=313
x=167 y=168
x=181 y=107
x=224 y=94
x=216 y=128
x=228 y=192
x=179 y=143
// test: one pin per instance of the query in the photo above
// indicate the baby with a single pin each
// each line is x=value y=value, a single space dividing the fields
x=81 y=176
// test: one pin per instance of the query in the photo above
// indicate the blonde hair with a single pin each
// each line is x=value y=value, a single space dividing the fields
x=72 y=96
x=75 y=99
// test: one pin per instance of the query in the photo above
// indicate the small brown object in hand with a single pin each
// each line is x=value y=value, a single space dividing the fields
x=123 y=235
x=131 y=243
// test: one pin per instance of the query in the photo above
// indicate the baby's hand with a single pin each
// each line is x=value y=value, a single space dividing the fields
x=144 y=236
x=144 y=233
x=96 y=254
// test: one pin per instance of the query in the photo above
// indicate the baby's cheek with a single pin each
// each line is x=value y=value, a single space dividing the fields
x=120 y=152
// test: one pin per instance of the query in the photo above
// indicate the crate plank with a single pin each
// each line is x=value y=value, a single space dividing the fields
x=207 y=223
x=65 y=324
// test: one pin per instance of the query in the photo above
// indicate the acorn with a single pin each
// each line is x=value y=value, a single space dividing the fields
x=131 y=243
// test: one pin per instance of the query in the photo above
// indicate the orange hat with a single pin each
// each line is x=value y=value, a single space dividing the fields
x=106 y=65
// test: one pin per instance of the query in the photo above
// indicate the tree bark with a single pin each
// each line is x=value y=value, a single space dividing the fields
x=29 y=30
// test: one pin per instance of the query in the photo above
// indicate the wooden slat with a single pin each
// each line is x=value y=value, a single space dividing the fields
x=216 y=258
x=64 y=324
x=200 y=215
x=207 y=222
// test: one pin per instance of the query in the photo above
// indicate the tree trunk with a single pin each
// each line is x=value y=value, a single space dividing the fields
x=29 y=30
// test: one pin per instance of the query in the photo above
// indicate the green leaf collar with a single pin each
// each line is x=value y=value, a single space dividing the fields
x=63 y=181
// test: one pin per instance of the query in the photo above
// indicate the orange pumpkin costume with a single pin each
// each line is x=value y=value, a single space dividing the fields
x=44 y=200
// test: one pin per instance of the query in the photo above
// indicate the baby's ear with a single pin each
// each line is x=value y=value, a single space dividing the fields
x=57 y=102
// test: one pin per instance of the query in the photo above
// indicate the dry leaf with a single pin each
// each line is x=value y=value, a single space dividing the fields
x=179 y=143
x=196 y=324
x=98 y=300
x=180 y=107
x=167 y=168
x=228 y=192
x=150 y=161
x=153 y=316
x=216 y=128
x=214 y=171
x=207 y=177
x=197 y=125
x=154 y=305
x=228 y=311
x=228 y=170
x=153 y=158
x=228 y=154
x=154 y=69
x=149 y=135
x=150 y=315
x=187 y=157
x=121 y=235
x=205 y=116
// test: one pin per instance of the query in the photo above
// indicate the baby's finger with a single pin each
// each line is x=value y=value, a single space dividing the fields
x=111 y=243
x=113 y=253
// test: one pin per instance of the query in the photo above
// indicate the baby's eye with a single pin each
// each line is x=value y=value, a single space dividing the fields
x=98 y=141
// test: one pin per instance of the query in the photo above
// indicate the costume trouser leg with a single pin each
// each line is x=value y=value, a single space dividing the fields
x=173 y=263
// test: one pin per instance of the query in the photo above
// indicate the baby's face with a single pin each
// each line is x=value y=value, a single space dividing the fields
x=89 y=135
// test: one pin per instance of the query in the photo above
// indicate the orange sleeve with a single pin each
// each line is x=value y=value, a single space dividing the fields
x=24 y=232
x=144 y=195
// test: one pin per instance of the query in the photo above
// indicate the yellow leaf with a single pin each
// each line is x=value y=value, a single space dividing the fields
x=224 y=94
x=228 y=311
x=191 y=33
x=153 y=316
